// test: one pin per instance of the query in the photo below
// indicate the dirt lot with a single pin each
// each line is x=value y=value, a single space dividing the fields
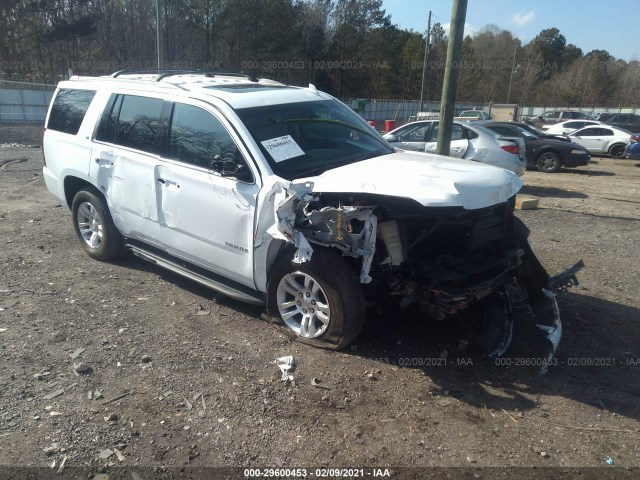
x=181 y=378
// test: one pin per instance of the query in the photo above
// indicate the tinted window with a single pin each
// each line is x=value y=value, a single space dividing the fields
x=69 y=109
x=504 y=131
x=197 y=137
x=594 y=132
x=574 y=124
x=139 y=124
x=134 y=122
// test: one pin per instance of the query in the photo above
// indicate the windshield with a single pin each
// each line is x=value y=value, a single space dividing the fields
x=308 y=138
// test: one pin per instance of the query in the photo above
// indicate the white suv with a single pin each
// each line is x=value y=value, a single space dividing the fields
x=283 y=196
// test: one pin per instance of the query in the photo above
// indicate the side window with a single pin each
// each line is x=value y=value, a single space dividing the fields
x=414 y=134
x=574 y=125
x=139 y=124
x=69 y=109
x=434 y=133
x=605 y=132
x=504 y=131
x=457 y=133
x=198 y=138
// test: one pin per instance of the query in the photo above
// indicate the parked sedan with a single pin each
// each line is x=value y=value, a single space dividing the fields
x=602 y=139
x=547 y=155
x=569 y=126
x=468 y=141
x=632 y=150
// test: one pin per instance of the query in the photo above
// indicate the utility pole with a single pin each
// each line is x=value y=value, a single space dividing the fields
x=513 y=70
x=449 y=88
x=158 y=35
x=424 y=64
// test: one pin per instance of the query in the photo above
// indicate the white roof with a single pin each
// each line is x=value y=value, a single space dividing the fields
x=239 y=91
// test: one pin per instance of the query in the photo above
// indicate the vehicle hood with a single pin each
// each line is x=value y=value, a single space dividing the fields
x=431 y=180
x=569 y=145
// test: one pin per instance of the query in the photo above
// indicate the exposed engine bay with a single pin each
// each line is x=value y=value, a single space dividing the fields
x=443 y=259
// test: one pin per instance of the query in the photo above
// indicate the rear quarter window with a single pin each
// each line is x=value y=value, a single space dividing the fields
x=68 y=110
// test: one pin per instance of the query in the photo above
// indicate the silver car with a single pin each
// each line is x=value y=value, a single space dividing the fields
x=468 y=141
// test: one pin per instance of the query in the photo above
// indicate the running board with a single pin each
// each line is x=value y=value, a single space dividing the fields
x=196 y=277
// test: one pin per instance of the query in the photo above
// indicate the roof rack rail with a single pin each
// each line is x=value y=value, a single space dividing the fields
x=164 y=73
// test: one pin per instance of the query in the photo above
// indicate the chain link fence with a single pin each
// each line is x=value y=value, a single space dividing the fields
x=23 y=108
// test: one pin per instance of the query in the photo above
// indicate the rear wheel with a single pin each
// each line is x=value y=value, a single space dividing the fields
x=319 y=302
x=549 y=162
x=617 y=150
x=94 y=227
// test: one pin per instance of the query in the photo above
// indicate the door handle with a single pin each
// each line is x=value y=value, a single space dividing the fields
x=164 y=181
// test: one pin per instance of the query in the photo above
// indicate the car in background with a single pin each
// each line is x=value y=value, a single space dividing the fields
x=626 y=121
x=602 y=139
x=474 y=115
x=548 y=155
x=536 y=131
x=604 y=116
x=468 y=141
x=569 y=126
x=632 y=149
x=557 y=116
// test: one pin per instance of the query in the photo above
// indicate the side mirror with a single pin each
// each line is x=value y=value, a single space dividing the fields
x=232 y=165
x=389 y=137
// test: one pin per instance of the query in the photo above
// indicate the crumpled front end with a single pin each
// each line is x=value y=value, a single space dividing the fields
x=445 y=260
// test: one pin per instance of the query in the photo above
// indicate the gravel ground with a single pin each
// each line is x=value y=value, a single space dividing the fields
x=122 y=370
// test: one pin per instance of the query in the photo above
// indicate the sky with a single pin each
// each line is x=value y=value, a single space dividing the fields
x=589 y=24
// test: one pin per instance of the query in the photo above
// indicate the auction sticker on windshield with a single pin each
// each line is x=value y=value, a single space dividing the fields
x=282 y=148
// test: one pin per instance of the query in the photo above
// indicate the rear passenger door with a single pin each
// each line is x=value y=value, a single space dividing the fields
x=459 y=141
x=593 y=138
x=206 y=194
x=126 y=152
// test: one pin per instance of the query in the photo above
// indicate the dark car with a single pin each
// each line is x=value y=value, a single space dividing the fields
x=626 y=121
x=537 y=132
x=632 y=150
x=546 y=154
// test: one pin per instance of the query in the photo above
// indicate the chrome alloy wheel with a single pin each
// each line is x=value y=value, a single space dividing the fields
x=90 y=225
x=303 y=305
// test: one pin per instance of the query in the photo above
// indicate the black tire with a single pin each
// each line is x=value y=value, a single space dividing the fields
x=338 y=291
x=617 y=150
x=99 y=237
x=549 y=162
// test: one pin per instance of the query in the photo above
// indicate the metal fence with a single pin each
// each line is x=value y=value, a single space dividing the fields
x=23 y=108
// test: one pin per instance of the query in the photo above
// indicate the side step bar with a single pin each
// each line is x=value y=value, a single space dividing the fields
x=196 y=277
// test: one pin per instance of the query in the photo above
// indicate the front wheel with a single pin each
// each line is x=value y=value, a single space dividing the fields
x=617 y=150
x=319 y=302
x=94 y=227
x=549 y=162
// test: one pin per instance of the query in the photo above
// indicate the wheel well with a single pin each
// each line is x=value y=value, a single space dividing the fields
x=550 y=150
x=618 y=144
x=72 y=185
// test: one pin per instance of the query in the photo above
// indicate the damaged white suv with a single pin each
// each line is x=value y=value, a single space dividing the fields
x=283 y=196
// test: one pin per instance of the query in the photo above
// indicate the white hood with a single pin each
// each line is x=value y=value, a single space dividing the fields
x=432 y=180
